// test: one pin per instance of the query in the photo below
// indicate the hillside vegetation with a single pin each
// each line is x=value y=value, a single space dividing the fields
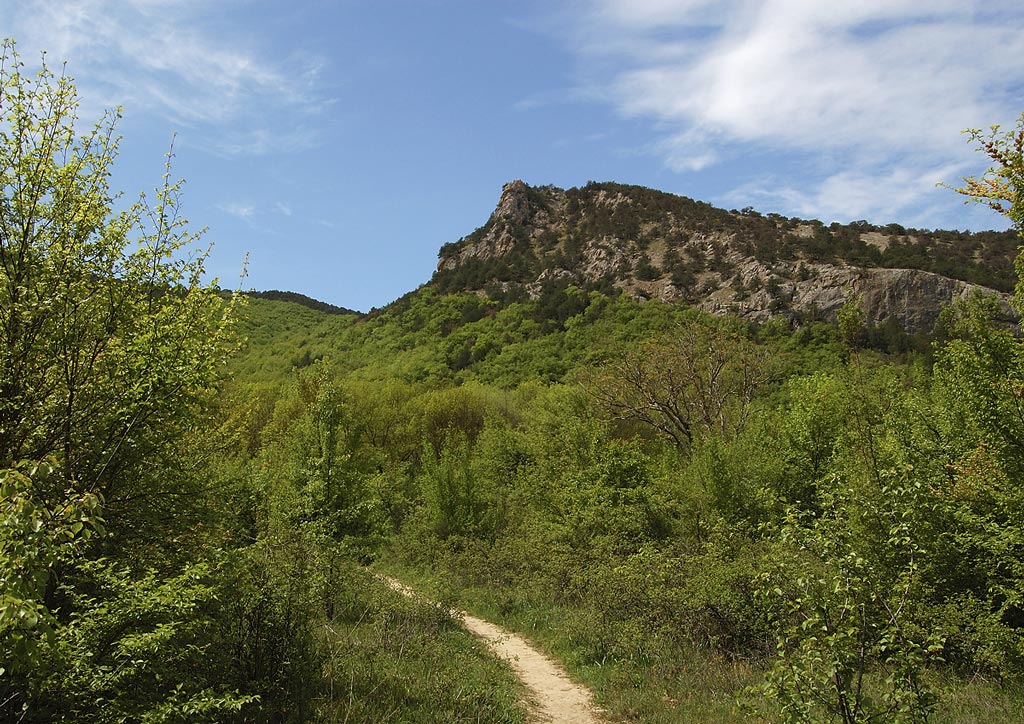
x=708 y=517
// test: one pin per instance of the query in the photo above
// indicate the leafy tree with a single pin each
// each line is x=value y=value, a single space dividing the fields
x=981 y=373
x=110 y=338
x=844 y=607
x=891 y=548
x=851 y=323
x=1001 y=187
x=33 y=541
x=110 y=343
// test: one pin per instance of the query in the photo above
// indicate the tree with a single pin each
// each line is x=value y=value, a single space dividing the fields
x=936 y=539
x=980 y=377
x=110 y=343
x=698 y=380
x=851 y=324
x=1001 y=187
x=843 y=604
x=110 y=338
x=33 y=541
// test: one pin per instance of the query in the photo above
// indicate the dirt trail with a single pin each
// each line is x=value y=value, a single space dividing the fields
x=557 y=698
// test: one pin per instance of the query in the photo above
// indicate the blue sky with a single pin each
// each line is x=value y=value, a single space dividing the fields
x=340 y=143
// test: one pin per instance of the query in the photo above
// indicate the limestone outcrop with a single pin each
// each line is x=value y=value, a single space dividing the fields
x=653 y=245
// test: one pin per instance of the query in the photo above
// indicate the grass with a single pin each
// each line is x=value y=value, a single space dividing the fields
x=693 y=688
x=392 y=660
x=978 y=701
x=670 y=686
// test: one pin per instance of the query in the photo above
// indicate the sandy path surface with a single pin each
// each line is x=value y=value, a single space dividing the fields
x=556 y=697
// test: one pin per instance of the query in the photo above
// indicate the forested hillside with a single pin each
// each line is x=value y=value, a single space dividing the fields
x=708 y=517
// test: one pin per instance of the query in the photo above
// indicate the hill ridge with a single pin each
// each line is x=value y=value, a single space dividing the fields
x=653 y=244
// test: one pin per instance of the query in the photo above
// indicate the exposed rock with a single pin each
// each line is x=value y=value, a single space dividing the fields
x=724 y=262
x=514 y=204
x=914 y=297
x=548 y=275
x=601 y=259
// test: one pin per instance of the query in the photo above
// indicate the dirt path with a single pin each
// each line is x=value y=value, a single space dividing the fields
x=556 y=697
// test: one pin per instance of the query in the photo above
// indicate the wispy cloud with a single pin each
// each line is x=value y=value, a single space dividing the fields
x=179 y=59
x=878 y=89
x=878 y=194
x=249 y=210
x=258 y=141
x=238 y=209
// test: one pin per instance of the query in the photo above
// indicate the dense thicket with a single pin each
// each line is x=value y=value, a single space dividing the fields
x=302 y=299
x=817 y=485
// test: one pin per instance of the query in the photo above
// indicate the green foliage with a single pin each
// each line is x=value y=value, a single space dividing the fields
x=699 y=381
x=34 y=541
x=645 y=271
x=1001 y=186
x=451 y=492
x=301 y=299
x=605 y=507
x=851 y=323
x=110 y=340
x=811 y=434
x=845 y=604
x=110 y=348
x=851 y=533
x=139 y=647
x=977 y=378
x=180 y=548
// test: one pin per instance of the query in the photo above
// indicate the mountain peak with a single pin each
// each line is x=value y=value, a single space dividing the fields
x=514 y=204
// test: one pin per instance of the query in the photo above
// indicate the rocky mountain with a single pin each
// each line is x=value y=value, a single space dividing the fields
x=650 y=244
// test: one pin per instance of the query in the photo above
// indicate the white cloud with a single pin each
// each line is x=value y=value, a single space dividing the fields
x=173 y=58
x=855 y=83
x=238 y=209
x=247 y=210
x=880 y=194
x=258 y=141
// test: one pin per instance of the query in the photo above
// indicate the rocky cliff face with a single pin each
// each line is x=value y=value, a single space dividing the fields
x=653 y=245
x=913 y=297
